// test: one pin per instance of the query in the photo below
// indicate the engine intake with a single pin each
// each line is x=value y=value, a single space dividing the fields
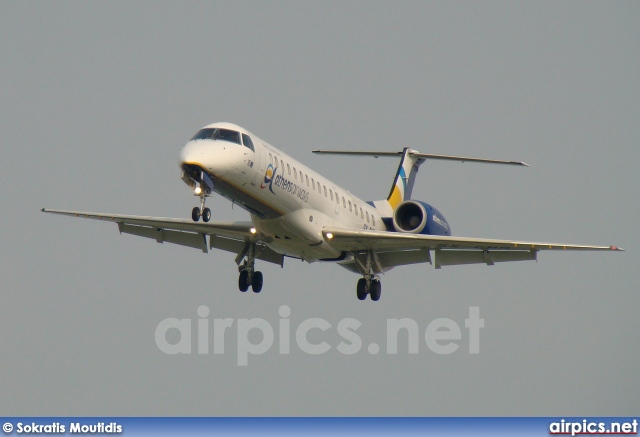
x=415 y=217
x=410 y=216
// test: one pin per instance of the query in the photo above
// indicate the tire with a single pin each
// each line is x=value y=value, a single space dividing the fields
x=195 y=214
x=362 y=289
x=376 y=290
x=243 y=281
x=206 y=215
x=256 y=282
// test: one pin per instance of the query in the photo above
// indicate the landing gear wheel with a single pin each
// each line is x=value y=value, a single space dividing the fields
x=362 y=289
x=243 y=281
x=376 y=290
x=206 y=215
x=256 y=282
x=195 y=213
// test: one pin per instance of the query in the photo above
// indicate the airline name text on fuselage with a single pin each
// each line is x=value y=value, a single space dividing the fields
x=290 y=187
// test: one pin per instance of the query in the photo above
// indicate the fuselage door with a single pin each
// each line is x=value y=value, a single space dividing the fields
x=258 y=166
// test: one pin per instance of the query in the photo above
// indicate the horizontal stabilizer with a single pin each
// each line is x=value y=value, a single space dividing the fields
x=418 y=155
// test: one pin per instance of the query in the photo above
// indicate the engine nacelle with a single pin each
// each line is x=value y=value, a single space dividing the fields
x=415 y=217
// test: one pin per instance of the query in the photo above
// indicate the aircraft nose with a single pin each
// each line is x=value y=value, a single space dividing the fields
x=188 y=154
x=183 y=155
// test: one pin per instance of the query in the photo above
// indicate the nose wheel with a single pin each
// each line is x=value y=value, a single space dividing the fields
x=201 y=211
x=196 y=214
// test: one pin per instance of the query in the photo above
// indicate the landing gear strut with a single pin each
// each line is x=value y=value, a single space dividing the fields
x=248 y=275
x=201 y=211
x=369 y=283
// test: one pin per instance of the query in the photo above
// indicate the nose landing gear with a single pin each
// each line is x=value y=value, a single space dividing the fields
x=201 y=211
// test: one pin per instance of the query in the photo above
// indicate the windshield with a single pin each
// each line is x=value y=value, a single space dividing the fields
x=218 y=134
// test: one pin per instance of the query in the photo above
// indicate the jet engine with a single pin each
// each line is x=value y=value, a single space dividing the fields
x=416 y=217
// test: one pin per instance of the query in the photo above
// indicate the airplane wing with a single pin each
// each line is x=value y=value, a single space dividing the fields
x=395 y=248
x=230 y=236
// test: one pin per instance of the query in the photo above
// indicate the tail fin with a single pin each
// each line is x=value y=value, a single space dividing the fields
x=408 y=169
x=405 y=178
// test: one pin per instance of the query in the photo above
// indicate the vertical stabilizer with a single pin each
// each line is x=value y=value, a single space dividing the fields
x=407 y=171
x=405 y=178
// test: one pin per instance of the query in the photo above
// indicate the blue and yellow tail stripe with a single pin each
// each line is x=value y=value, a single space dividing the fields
x=398 y=191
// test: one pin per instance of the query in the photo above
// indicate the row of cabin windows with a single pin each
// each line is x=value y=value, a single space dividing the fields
x=323 y=189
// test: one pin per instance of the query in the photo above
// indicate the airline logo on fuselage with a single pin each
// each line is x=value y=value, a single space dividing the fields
x=268 y=177
x=280 y=181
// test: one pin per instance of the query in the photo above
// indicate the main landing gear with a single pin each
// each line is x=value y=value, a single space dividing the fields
x=248 y=278
x=248 y=275
x=370 y=286
x=369 y=283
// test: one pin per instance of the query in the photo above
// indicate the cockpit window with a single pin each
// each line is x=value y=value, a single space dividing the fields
x=246 y=139
x=218 y=134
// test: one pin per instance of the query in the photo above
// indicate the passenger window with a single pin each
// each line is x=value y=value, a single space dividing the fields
x=295 y=173
x=289 y=169
x=344 y=203
x=331 y=194
x=301 y=176
x=247 y=142
x=313 y=184
x=307 y=178
x=361 y=213
x=325 y=190
x=373 y=218
x=337 y=200
x=367 y=214
x=355 y=209
x=350 y=209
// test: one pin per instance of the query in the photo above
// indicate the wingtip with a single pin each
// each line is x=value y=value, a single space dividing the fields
x=43 y=210
x=616 y=248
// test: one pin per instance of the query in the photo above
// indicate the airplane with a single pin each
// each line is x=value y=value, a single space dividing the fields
x=299 y=213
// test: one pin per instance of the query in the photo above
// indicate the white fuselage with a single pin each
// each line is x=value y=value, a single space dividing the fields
x=289 y=203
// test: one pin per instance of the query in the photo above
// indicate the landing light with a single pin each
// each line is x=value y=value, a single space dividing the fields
x=329 y=235
x=252 y=230
x=198 y=190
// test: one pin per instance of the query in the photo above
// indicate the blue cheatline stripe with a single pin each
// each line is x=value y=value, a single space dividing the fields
x=142 y=426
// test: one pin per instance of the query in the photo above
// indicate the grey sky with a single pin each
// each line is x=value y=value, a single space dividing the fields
x=98 y=97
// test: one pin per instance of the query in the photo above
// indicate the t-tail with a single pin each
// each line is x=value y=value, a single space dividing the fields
x=405 y=178
x=410 y=161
